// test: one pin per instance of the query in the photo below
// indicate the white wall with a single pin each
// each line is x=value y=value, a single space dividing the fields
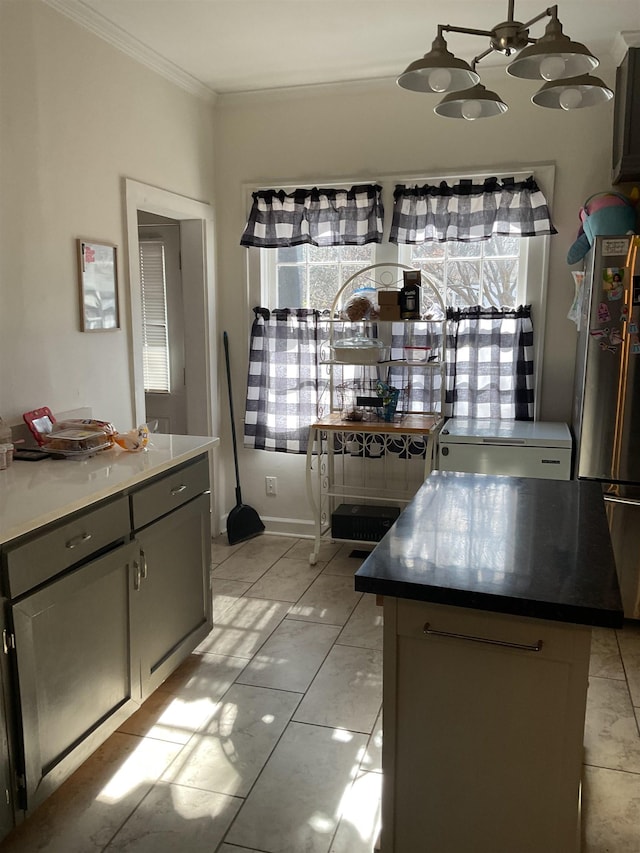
x=368 y=130
x=76 y=118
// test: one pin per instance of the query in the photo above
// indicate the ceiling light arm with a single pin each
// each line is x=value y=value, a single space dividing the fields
x=447 y=28
x=551 y=12
x=481 y=56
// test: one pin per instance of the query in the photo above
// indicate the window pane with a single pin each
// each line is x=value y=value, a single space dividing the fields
x=323 y=284
x=291 y=254
x=500 y=283
x=362 y=254
x=463 y=282
x=501 y=246
x=428 y=250
x=291 y=287
x=322 y=254
x=464 y=250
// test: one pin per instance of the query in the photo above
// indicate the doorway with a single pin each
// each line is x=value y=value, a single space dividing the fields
x=163 y=324
x=193 y=220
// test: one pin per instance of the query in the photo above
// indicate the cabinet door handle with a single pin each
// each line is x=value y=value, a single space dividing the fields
x=177 y=489
x=136 y=574
x=523 y=646
x=78 y=540
x=143 y=564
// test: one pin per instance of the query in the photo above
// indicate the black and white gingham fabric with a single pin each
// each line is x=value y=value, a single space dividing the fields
x=468 y=211
x=322 y=217
x=489 y=359
x=282 y=384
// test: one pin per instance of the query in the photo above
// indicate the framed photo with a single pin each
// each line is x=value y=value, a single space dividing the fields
x=98 y=275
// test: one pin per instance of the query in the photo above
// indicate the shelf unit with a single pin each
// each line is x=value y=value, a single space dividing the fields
x=373 y=460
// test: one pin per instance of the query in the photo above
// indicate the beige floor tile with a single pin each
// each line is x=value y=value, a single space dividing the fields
x=347 y=691
x=286 y=580
x=605 y=661
x=629 y=642
x=291 y=657
x=611 y=811
x=244 y=627
x=225 y=593
x=359 y=816
x=253 y=558
x=364 y=627
x=166 y=717
x=303 y=548
x=204 y=676
x=329 y=599
x=85 y=812
x=295 y=804
x=221 y=550
x=231 y=848
x=176 y=818
x=342 y=563
x=229 y=753
x=611 y=732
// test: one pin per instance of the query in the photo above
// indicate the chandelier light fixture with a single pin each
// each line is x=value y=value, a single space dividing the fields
x=563 y=65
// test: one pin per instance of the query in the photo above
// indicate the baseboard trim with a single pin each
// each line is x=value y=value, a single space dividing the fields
x=277 y=526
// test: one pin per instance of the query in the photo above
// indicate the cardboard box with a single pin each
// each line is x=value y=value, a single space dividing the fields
x=388 y=297
x=389 y=312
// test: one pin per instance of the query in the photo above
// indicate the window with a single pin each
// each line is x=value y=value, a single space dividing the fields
x=155 y=338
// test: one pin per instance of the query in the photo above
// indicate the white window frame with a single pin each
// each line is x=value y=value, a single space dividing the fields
x=534 y=257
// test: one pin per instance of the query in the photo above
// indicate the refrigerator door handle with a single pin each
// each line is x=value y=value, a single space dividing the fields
x=614 y=499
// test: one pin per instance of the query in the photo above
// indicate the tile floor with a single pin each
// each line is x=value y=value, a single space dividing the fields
x=267 y=739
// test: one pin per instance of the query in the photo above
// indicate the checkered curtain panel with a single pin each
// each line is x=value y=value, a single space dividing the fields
x=282 y=384
x=322 y=217
x=489 y=360
x=469 y=211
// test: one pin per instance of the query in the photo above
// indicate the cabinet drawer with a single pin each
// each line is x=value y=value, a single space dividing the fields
x=169 y=491
x=515 y=634
x=47 y=554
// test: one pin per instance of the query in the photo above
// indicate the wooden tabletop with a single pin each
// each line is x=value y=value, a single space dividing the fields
x=407 y=424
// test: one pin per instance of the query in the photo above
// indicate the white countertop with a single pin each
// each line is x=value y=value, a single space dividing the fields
x=36 y=493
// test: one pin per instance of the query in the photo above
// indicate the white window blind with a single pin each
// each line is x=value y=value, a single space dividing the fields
x=155 y=338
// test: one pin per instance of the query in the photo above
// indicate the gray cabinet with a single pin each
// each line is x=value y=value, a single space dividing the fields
x=172 y=601
x=76 y=681
x=626 y=129
x=101 y=606
x=7 y=794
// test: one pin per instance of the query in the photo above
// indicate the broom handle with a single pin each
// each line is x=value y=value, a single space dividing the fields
x=233 y=422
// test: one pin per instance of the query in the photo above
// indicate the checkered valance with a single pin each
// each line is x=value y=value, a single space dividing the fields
x=489 y=357
x=322 y=217
x=469 y=211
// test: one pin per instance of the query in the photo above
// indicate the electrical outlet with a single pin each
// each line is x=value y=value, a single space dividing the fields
x=271 y=485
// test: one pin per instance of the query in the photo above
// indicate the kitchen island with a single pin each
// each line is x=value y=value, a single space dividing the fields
x=104 y=566
x=491 y=587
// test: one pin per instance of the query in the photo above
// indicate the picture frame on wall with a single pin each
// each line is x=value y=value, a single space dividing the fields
x=98 y=279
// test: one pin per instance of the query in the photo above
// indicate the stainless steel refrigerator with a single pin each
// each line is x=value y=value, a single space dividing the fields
x=606 y=407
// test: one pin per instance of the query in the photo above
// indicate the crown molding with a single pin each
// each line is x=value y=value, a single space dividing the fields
x=307 y=90
x=97 y=24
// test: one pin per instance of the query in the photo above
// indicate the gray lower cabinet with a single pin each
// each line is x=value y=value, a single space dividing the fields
x=171 y=604
x=7 y=795
x=101 y=607
x=75 y=675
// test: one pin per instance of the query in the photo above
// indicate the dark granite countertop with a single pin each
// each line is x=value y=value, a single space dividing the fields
x=529 y=547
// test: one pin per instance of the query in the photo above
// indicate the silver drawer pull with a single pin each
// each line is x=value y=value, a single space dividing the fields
x=524 y=646
x=136 y=575
x=177 y=489
x=78 y=540
x=143 y=564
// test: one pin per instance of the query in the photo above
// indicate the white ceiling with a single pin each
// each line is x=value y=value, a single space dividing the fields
x=227 y=46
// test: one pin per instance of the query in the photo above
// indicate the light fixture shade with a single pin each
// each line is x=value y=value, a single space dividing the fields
x=438 y=71
x=573 y=93
x=476 y=102
x=553 y=57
